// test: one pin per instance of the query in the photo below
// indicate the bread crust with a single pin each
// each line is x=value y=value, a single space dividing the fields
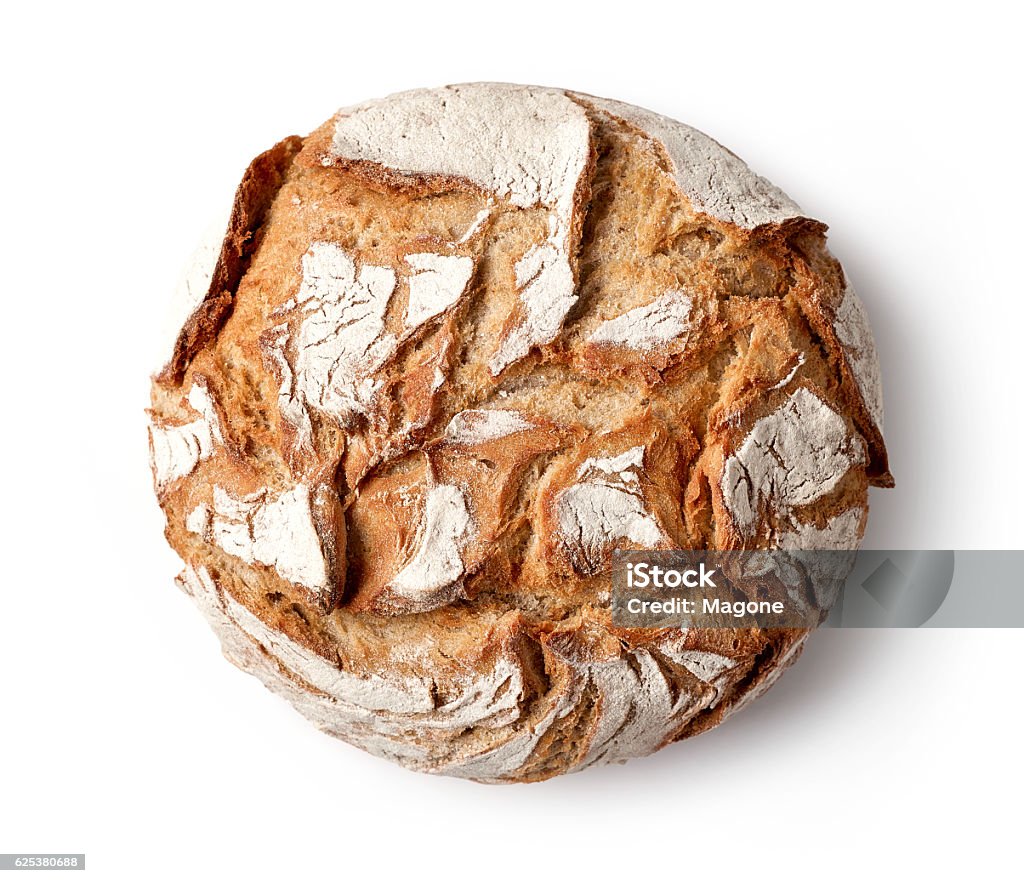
x=253 y=199
x=459 y=346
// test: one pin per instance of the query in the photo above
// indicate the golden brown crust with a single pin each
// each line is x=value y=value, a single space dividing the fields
x=460 y=523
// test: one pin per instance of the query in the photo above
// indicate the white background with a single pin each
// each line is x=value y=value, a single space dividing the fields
x=126 y=736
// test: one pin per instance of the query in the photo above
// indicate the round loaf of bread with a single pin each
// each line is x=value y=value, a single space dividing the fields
x=447 y=354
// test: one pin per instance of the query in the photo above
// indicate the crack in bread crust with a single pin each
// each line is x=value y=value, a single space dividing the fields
x=459 y=372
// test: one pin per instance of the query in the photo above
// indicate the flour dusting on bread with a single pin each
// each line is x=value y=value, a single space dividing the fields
x=462 y=345
x=475 y=426
x=604 y=506
x=340 y=340
x=436 y=562
x=277 y=531
x=176 y=449
x=643 y=328
x=790 y=458
x=715 y=180
x=527 y=145
x=437 y=283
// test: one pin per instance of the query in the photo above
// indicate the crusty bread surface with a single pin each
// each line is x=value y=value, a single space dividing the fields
x=457 y=347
